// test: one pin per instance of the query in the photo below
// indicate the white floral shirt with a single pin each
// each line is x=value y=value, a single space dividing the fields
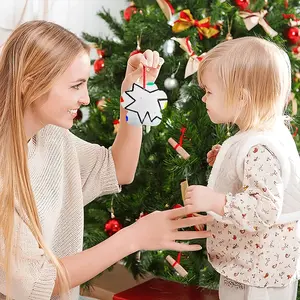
x=267 y=256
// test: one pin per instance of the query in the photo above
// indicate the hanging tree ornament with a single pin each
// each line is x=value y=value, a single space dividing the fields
x=98 y=65
x=167 y=8
x=293 y=35
x=113 y=225
x=242 y=4
x=293 y=21
x=251 y=19
x=185 y=20
x=168 y=47
x=171 y=83
x=116 y=124
x=129 y=11
x=228 y=35
x=194 y=60
x=178 y=146
x=296 y=52
x=144 y=103
x=138 y=46
x=101 y=103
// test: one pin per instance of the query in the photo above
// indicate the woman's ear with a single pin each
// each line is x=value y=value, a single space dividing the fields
x=25 y=85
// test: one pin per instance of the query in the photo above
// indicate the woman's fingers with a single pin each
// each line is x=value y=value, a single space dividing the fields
x=191 y=235
x=180 y=247
x=191 y=221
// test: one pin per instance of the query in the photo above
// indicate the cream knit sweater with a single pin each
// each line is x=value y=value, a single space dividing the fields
x=66 y=174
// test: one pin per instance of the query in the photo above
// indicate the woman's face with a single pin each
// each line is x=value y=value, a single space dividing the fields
x=59 y=107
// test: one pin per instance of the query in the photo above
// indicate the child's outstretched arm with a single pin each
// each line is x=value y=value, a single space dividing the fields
x=259 y=204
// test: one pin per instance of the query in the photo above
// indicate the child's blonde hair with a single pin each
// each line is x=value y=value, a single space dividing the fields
x=256 y=76
x=33 y=57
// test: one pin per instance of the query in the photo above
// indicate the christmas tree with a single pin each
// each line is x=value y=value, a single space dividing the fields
x=182 y=31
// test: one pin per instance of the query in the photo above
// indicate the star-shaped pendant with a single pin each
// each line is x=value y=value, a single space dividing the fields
x=144 y=105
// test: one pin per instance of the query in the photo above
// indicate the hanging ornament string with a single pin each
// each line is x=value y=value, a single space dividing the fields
x=112 y=212
x=228 y=35
x=144 y=77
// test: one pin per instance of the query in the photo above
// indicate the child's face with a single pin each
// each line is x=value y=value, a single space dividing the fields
x=214 y=98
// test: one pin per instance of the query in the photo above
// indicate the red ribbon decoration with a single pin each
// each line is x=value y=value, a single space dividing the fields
x=286 y=4
x=177 y=261
x=296 y=50
x=182 y=130
x=191 y=51
x=144 y=76
x=115 y=122
x=289 y=16
x=170 y=6
x=296 y=131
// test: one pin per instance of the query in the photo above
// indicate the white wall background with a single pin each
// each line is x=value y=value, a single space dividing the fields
x=75 y=15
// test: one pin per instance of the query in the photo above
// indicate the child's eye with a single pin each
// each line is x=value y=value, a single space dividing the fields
x=208 y=92
x=77 y=86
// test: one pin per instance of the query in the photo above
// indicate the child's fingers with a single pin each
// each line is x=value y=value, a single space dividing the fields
x=211 y=161
x=216 y=147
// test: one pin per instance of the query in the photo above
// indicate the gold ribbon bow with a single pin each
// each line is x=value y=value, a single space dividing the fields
x=186 y=20
x=251 y=19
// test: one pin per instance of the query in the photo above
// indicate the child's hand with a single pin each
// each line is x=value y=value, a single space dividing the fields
x=212 y=154
x=205 y=199
x=150 y=59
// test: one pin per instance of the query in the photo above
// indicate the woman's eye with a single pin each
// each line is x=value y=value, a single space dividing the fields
x=77 y=86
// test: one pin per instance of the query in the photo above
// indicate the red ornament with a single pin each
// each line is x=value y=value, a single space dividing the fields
x=242 y=4
x=129 y=11
x=98 y=65
x=101 y=103
x=293 y=35
x=136 y=51
x=79 y=115
x=100 y=53
x=112 y=226
x=177 y=206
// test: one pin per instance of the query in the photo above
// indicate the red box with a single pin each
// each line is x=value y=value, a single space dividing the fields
x=159 y=289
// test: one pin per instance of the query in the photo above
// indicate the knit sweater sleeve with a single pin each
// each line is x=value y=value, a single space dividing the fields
x=260 y=203
x=97 y=169
x=33 y=276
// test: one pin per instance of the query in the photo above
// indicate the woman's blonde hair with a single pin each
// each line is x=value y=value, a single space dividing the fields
x=33 y=57
x=256 y=77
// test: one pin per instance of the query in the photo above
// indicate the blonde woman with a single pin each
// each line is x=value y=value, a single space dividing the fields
x=254 y=187
x=48 y=175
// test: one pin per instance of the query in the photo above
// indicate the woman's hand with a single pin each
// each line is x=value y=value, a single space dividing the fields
x=152 y=62
x=159 y=230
